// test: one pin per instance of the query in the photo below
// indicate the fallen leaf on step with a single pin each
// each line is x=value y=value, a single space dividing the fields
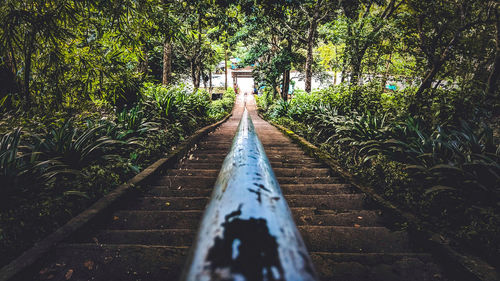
x=360 y=218
x=43 y=271
x=69 y=274
x=115 y=218
x=89 y=264
x=167 y=204
x=357 y=225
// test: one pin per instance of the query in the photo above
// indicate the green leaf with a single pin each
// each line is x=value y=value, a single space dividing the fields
x=438 y=189
x=76 y=193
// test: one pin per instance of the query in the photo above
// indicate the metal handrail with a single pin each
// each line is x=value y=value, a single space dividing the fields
x=247 y=230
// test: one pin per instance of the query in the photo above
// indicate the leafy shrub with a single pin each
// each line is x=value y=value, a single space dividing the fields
x=66 y=150
x=219 y=108
x=434 y=164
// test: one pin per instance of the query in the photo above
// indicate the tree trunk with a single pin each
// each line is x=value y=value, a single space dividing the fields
x=309 y=58
x=225 y=68
x=495 y=72
x=27 y=74
x=205 y=81
x=167 y=62
x=386 y=74
x=210 y=83
x=286 y=84
x=426 y=83
x=356 y=70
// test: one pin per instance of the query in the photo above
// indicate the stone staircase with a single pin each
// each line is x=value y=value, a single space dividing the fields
x=149 y=237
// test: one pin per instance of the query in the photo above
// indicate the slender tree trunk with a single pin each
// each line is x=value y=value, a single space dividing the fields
x=27 y=74
x=309 y=58
x=210 y=82
x=356 y=70
x=167 y=61
x=286 y=84
x=225 y=67
x=386 y=74
x=193 y=72
x=495 y=72
x=205 y=81
x=286 y=73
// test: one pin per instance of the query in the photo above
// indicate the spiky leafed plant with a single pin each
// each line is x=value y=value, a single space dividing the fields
x=66 y=149
x=133 y=123
x=13 y=158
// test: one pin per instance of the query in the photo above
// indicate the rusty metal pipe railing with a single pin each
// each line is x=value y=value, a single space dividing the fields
x=247 y=230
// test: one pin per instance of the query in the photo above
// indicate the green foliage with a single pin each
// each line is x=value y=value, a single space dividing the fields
x=66 y=149
x=11 y=163
x=57 y=166
x=439 y=171
x=219 y=108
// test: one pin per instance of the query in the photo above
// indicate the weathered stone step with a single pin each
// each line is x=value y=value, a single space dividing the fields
x=290 y=189
x=169 y=203
x=208 y=182
x=336 y=201
x=149 y=219
x=186 y=181
x=199 y=155
x=353 y=218
x=376 y=266
x=274 y=161
x=274 y=165
x=164 y=237
x=144 y=219
x=183 y=192
x=354 y=239
x=279 y=172
x=306 y=180
x=317 y=188
x=226 y=145
x=301 y=172
x=194 y=172
x=105 y=262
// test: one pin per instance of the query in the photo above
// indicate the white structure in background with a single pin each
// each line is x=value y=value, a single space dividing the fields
x=246 y=84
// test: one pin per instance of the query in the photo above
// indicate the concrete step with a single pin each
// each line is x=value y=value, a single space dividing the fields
x=186 y=219
x=307 y=180
x=289 y=189
x=177 y=182
x=336 y=201
x=352 y=218
x=376 y=266
x=165 y=237
x=274 y=165
x=317 y=189
x=279 y=172
x=301 y=172
x=194 y=172
x=113 y=262
x=182 y=192
x=354 y=239
x=169 y=203
x=143 y=219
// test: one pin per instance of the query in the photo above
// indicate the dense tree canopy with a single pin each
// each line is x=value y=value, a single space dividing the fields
x=411 y=99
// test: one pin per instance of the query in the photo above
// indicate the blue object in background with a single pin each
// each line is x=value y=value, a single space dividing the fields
x=391 y=87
